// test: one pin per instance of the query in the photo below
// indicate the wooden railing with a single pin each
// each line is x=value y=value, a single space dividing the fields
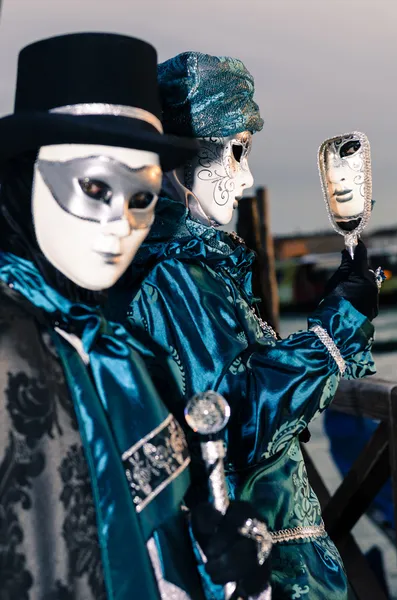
x=377 y=462
x=370 y=397
x=376 y=399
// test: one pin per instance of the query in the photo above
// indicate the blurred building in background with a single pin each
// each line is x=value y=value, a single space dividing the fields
x=305 y=262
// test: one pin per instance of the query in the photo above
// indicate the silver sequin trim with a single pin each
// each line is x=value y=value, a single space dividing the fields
x=266 y=328
x=298 y=533
x=331 y=347
x=115 y=110
x=155 y=461
x=257 y=530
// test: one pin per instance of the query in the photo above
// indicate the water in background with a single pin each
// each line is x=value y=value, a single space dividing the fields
x=385 y=330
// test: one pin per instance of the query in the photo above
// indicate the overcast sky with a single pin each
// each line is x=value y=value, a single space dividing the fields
x=321 y=67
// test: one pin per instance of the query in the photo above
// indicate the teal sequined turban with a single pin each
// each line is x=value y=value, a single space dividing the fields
x=207 y=96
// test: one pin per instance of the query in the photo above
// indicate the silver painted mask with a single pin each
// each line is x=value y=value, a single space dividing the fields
x=92 y=208
x=102 y=189
x=344 y=162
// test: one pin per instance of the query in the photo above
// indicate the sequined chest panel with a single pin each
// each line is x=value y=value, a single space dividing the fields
x=155 y=461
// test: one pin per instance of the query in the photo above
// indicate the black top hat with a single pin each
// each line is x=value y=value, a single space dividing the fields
x=89 y=88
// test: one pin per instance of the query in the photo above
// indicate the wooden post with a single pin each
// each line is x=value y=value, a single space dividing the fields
x=253 y=227
x=268 y=267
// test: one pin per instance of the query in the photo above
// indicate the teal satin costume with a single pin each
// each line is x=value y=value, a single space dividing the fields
x=190 y=288
x=135 y=449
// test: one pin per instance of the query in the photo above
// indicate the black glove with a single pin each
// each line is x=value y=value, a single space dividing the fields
x=355 y=282
x=230 y=555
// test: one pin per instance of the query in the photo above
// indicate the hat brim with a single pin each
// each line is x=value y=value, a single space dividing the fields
x=28 y=131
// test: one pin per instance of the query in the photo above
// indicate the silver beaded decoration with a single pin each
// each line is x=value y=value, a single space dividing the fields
x=379 y=277
x=331 y=347
x=298 y=533
x=256 y=530
x=266 y=328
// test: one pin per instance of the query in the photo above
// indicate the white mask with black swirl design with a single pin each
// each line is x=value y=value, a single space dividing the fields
x=344 y=170
x=217 y=177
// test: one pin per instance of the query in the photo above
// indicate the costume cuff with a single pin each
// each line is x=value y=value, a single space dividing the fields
x=347 y=335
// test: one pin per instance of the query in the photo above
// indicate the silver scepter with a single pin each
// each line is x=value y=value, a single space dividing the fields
x=208 y=414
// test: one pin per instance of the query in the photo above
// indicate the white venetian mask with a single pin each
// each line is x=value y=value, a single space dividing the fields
x=92 y=208
x=218 y=175
x=344 y=171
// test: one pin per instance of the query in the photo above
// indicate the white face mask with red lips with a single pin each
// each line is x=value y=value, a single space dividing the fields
x=93 y=206
x=217 y=177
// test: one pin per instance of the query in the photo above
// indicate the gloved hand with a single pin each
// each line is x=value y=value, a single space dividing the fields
x=355 y=282
x=230 y=555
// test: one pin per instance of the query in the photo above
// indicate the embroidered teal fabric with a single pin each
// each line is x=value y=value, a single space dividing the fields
x=207 y=96
x=190 y=288
x=116 y=406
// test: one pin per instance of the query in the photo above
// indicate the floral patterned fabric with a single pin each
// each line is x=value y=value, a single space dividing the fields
x=133 y=502
x=49 y=547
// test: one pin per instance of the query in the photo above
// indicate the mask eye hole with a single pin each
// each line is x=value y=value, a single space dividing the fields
x=350 y=148
x=237 y=150
x=96 y=189
x=141 y=200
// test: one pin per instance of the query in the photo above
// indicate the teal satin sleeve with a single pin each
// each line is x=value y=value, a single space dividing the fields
x=295 y=379
x=274 y=387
